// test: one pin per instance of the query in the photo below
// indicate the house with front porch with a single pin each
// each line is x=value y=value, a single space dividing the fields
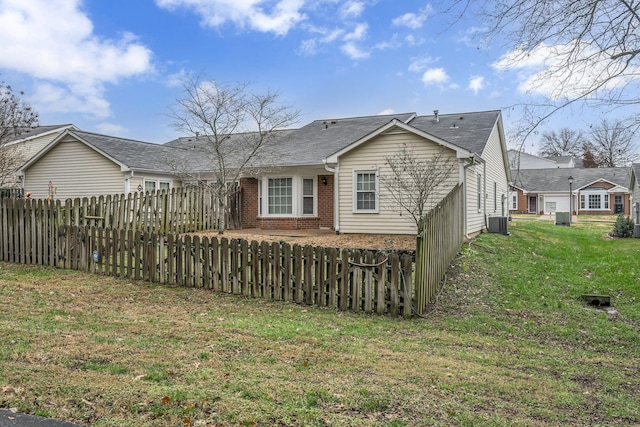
x=594 y=191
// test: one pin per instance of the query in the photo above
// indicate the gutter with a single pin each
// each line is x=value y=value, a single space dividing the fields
x=336 y=216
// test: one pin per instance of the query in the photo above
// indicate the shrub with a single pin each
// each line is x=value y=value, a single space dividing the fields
x=623 y=227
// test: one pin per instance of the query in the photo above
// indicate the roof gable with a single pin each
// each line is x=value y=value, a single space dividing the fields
x=396 y=125
x=32 y=133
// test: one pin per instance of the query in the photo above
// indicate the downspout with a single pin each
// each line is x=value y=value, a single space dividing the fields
x=127 y=183
x=336 y=217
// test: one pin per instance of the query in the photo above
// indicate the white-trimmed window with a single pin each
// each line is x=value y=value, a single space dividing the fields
x=151 y=185
x=287 y=196
x=308 y=196
x=594 y=200
x=513 y=198
x=365 y=191
x=280 y=194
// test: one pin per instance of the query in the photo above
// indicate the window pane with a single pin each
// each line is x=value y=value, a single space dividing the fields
x=366 y=191
x=149 y=186
x=307 y=205
x=280 y=200
x=307 y=187
x=164 y=185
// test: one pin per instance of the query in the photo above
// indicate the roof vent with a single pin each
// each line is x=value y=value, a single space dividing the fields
x=435 y=115
x=454 y=126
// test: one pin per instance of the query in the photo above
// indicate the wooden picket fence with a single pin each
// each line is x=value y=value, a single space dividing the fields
x=440 y=237
x=328 y=277
x=130 y=242
x=179 y=210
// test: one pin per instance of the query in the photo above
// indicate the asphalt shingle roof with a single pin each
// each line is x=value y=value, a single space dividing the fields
x=557 y=179
x=470 y=131
x=308 y=145
x=312 y=143
x=33 y=132
x=134 y=154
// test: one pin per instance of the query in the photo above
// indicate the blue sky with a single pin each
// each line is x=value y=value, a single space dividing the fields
x=113 y=66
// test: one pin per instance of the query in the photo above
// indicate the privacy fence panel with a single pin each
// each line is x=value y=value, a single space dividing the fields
x=440 y=236
x=327 y=277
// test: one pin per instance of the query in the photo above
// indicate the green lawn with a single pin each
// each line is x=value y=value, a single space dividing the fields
x=509 y=344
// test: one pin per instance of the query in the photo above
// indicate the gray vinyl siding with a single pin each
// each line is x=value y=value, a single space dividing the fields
x=75 y=170
x=390 y=219
x=494 y=184
x=496 y=173
x=475 y=212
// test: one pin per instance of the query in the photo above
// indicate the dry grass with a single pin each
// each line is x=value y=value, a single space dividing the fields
x=106 y=352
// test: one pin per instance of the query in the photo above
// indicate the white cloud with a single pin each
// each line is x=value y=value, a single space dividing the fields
x=112 y=129
x=476 y=84
x=352 y=9
x=420 y=64
x=308 y=47
x=176 y=79
x=258 y=15
x=359 y=33
x=435 y=76
x=544 y=71
x=438 y=77
x=353 y=51
x=386 y=112
x=53 y=42
x=413 y=20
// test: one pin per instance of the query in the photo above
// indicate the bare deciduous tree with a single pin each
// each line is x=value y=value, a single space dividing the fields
x=234 y=128
x=16 y=116
x=415 y=183
x=587 y=51
x=564 y=142
x=612 y=144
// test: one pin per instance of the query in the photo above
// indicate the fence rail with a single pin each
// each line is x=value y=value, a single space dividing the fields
x=440 y=236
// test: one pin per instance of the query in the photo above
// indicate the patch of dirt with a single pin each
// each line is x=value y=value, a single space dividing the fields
x=384 y=242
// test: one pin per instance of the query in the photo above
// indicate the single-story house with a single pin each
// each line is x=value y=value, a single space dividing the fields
x=594 y=191
x=25 y=145
x=326 y=174
x=84 y=164
x=522 y=160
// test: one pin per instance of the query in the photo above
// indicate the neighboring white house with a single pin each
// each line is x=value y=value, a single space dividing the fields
x=594 y=191
x=310 y=183
x=25 y=145
x=522 y=160
x=84 y=164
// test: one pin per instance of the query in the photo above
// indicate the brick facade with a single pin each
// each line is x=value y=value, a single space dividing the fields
x=251 y=219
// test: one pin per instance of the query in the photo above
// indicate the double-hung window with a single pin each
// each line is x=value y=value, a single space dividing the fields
x=365 y=191
x=280 y=193
x=308 y=196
